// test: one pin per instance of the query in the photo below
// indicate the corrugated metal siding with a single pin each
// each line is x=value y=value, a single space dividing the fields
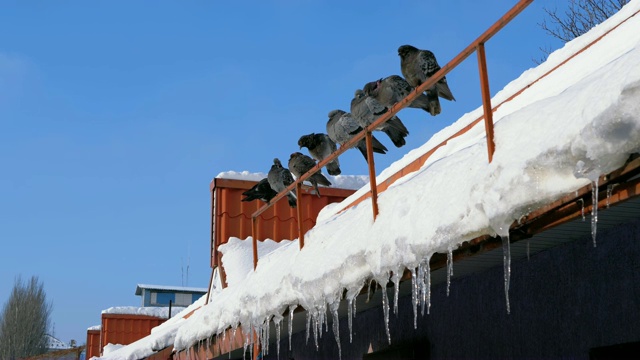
x=232 y=218
x=93 y=343
x=125 y=329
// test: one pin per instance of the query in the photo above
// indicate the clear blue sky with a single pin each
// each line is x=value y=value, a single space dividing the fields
x=116 y=115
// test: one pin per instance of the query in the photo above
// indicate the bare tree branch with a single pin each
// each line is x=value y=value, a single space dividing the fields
x=580 y=17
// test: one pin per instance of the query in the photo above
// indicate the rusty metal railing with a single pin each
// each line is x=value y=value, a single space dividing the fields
x=476 y=46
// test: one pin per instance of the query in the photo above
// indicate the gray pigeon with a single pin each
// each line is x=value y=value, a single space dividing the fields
x=341 y=127
x=419 y=65
x=392 y=89
x=321 y=146
x=300 y=163
x=279 y=178
x=366 y=110
x=260 y=191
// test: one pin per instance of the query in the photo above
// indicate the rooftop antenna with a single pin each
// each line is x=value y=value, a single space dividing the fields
x=188 y=260
x=185 y=279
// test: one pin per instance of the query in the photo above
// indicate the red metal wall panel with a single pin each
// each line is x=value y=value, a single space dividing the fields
x=93 y=343
x=125 y=328
x=230 y=217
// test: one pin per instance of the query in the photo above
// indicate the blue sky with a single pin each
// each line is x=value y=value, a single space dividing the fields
x=115 y=116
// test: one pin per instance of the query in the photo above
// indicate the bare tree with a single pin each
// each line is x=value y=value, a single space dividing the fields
x=24 y=320
x=579 y=18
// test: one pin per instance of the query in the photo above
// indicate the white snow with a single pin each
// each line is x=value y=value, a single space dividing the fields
x=352 y=182
x=578 y=122
x=160 y=312
x=94 y=327
x=237 y=258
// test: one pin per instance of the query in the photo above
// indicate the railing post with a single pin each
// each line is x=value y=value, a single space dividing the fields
x=372 y=175
x=254 y=240
x=486 y=99
x=299 y=211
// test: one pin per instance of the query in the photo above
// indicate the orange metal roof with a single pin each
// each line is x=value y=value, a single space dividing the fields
x=231 y=217
x=126 y=328
x=93 y=343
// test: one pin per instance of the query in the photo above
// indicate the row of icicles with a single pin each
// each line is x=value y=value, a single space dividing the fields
x=420 y=297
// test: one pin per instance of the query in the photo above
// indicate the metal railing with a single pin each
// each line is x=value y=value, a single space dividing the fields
x=476 y=46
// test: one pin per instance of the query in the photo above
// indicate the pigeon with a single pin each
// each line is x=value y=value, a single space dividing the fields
x=280 y=178
x=366 y=110
x=418 y=65
x=300 y=164
x=390 y=90
x=341 y=127
x=260 y=191
x=321 y=146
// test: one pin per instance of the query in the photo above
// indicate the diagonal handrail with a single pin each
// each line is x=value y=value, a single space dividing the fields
x=476 y=46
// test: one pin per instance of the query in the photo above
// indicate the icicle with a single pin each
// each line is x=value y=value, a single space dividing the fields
x=610 y=192
x=449 y=268
x=265 y=346
x=246 y=343
x=291 y=309
x=396 y=287
x=369 y=290
x=326 y=319
x=351 y=295
x=350 y=319
x=582 y=208
x=308 y=324
x=427 y=280
x=506 y=255
x=414 y=296
x=594 y=211
x=421 y=297
x=253 y=341
x=336 y=324
x=385 y=303
x=278 y=321
x=316 y=326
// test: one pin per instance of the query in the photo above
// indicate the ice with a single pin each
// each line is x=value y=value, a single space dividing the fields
x=610 y=188
x=396 y=287
x=336 y=324
x=383 y=280
x=594 y=211
x=308 y=324
x=278 y=321
x=501 y=225
x=506 y=254
x=449 y=268
x=582 y=208
x=351 y=305
x=291 y=309
x=414 y=296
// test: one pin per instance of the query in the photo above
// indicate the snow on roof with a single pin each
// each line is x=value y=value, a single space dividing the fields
x=55 y=344
x=161 y=336
x=94 y=327
x=577 y=122
x=237 y=258
x=352 y=182
x=139 y=288
x=160 y=312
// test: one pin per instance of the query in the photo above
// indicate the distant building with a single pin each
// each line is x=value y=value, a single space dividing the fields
x=159 y=295
x=54 y=344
